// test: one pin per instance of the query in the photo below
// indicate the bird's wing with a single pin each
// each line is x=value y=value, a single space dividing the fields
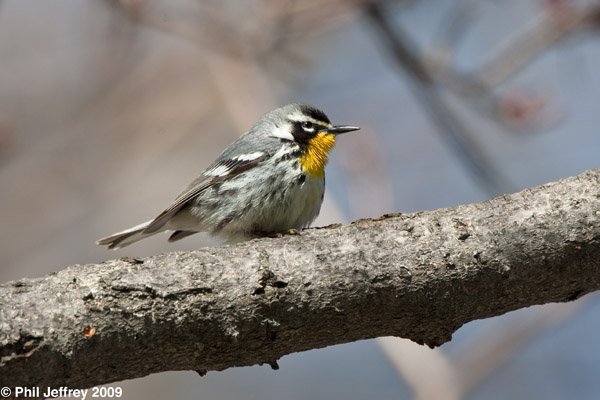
x=224 y=168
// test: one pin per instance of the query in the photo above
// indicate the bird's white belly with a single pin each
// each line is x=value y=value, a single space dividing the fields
x=278 y=212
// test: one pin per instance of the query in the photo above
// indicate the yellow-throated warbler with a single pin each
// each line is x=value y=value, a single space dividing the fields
x=270 y=180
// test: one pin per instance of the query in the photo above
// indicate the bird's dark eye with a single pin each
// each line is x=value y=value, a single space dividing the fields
x=307 y=125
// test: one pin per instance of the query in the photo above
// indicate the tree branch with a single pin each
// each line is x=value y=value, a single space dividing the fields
x=419 y=276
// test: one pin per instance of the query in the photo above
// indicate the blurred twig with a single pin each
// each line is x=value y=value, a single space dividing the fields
x=556 y=21
x=252 y=27
x=452 y=129
x=488 y=351
x=454 y=26
x=551 y=25
x=458 y=372
x=420 y=366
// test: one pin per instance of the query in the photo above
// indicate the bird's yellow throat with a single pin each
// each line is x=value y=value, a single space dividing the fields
x=315 y=158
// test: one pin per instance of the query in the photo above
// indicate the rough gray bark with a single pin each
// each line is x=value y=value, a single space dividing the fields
x=418 y=276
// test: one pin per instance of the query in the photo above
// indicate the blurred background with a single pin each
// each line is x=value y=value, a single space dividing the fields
x=109 y=108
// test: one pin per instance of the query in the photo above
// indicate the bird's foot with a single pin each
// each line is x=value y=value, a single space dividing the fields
x=286 y=233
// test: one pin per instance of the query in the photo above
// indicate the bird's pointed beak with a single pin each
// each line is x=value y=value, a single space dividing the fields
x=339 y=129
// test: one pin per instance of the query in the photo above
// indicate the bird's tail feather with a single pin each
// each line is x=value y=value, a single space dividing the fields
x=126 y=237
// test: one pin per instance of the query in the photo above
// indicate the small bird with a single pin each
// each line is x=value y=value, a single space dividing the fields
x=271 y=180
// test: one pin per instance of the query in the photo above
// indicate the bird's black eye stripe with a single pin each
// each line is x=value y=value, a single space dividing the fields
x=303 y=131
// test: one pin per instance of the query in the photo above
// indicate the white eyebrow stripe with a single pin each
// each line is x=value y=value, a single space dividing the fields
x=248 y=157
x=299 y=117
